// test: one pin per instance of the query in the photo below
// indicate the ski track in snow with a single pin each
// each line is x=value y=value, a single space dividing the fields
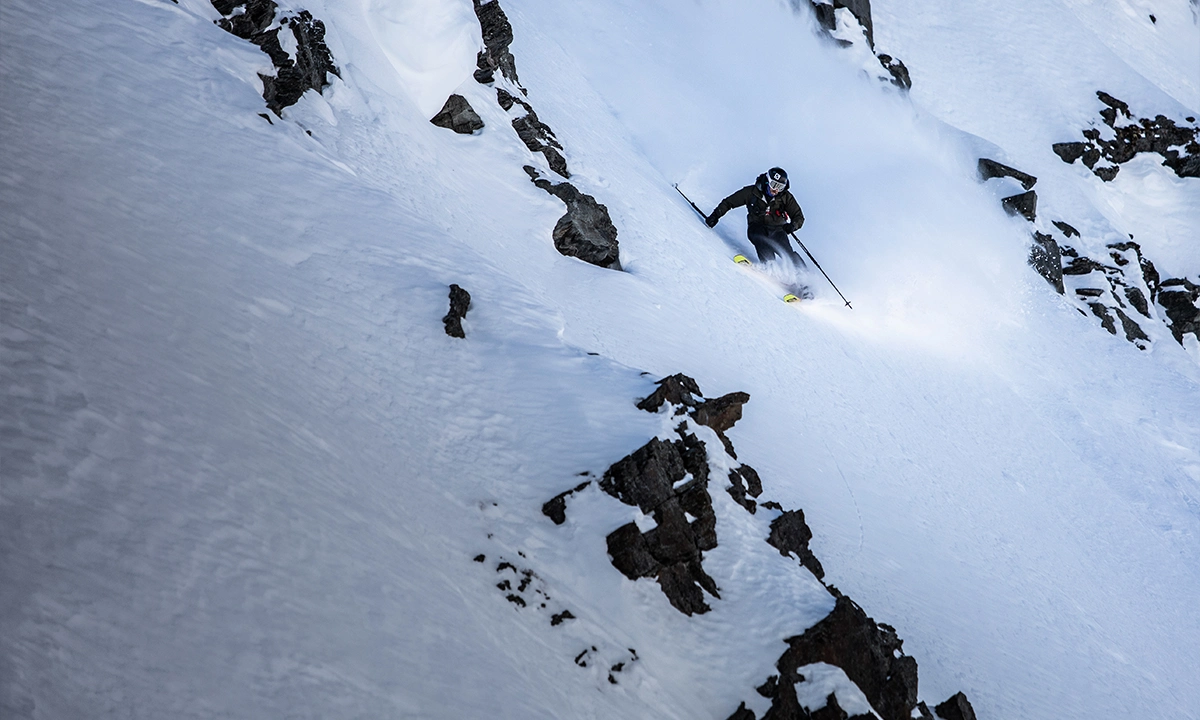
x=245 y=472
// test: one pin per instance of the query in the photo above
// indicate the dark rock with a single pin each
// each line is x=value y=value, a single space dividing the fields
x=1066 y=229
x=682 y=583
x=1133 y=331
x=1069 y=151
x=989 y=169
x=900 y=76
x=677 y=389
x=480 y=558
x=497 y=36
x=1106 y=321
x=1178 y=298
x=630 y=553
x=790 y=534
x=460 y=302
x=1082 y=266
x=742 y=713
x=870 y=654
x=645 y=478
x=826 y=15
x=558 y=618
x=1045 y=257
x=586 y=231
x=1107 y=173
x=249 y=20
x=721 y=413
x=556 y=507
x=458 y=115
x=1024 y=204
x=537 y=135
x=1089 y=292
x=1114 y=106
x=956 y=708
x=1137 y=299
x=744 y=481
x=861 y=9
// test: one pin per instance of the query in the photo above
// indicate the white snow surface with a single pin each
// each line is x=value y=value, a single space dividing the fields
x=244 y=472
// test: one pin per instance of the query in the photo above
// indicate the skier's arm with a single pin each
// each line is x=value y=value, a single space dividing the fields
x=738 y=199
x=795 y=214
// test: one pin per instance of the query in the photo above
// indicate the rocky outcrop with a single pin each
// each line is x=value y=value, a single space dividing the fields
x=1180 y=299
x=1023 y=204
x=790 y=535
x=847 y=32
x=1177 y=144
x=497 y=36
x=585 y=231
x=1046 y=257
x=460 y=302
x=956 y=708
x=869 y=653
x=989 y=169
x=308 y=69
x=458 y=115
x=536 y=135
x=668 y=480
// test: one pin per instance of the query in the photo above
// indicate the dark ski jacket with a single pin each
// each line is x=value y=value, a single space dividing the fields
x=781 y=212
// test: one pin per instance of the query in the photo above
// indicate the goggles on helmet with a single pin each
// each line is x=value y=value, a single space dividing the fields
x=777 y=186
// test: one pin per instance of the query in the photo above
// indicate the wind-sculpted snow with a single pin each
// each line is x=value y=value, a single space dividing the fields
x=245 y=473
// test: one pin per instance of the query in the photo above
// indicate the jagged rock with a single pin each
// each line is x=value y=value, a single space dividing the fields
x=870 y=654
x=460 y=302
x=1024 y=204
x=744 y=481
x=1137 y=299
x=537 y=135
x=1067 y=230
x=956 y=708
x=1046 y=258
x=1176 y=144
x=458 y=115
x=1178 y=297
x=989 y=169
x=1082 y=265
x=826 y=15
x=790 y=534
x=900 y=76
x=721 y=413
x=586 y=231
x=1106 y=321
x=1089 y=292
x=249 y=20
x=497 y=36
x=677 y=389
x=742 y=713
x=860 y=9
x=1069 y=151
x=1133 y=331
x=556 y=507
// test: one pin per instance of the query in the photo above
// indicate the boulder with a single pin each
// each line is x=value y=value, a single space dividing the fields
x=458 y=115
x=790 y=535
x=1024 y=204
x=1046 y=258
x=586 y=231
x=989 y=169
x=956 y=708
x=460 y=302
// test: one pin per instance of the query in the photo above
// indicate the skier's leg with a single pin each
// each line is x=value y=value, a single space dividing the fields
x=761 y=241
x=779 y=239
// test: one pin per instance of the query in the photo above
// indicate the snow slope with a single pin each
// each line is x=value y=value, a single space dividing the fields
x=245 y=473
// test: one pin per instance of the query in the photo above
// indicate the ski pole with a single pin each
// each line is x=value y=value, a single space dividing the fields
x=810 y=257
x=685 y=197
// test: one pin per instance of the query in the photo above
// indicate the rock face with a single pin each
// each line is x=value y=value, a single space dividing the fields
x=1177 y=144
x=310 y=68
x=460 y=302
x=790 y=534
x=1179 y=298
x=869 y=653
x=956 y=708
x=989 y=169
x=536 y=135
x=1024 y=204
x=497 y=36
x=826 y=14
x=458 y=115
x=585 y=231
x=1046 y=257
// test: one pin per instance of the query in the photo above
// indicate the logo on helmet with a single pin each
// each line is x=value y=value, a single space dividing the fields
x=777 y=180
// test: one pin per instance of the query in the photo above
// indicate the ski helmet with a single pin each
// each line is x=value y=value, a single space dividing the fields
x=777 y=180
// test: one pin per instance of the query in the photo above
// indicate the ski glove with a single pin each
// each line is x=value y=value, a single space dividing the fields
x=711 y=220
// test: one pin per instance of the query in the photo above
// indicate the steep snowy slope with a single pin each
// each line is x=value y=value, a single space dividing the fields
x=245 y=473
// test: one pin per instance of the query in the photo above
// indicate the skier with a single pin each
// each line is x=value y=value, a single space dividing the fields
x=771 y=214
